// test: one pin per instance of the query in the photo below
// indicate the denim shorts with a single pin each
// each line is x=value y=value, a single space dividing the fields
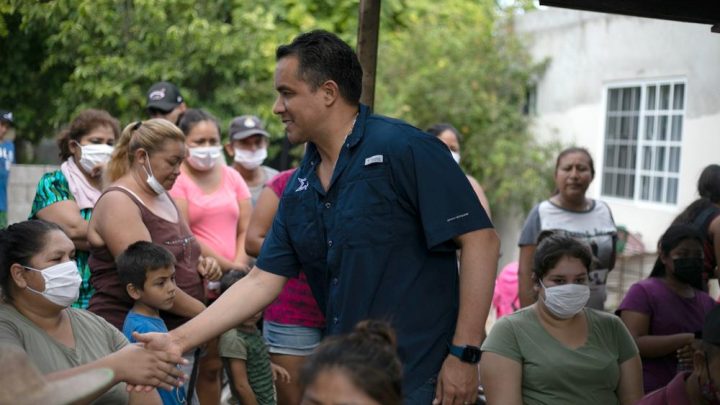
x=291 y=339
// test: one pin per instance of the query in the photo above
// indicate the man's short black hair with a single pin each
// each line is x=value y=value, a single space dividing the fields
x=140 y=258
x=323 y=56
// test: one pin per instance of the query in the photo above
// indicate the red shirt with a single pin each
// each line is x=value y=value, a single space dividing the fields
x=295 y=305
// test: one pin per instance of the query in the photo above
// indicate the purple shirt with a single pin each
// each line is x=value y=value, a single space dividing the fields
x=674 y=393
x=669 y=314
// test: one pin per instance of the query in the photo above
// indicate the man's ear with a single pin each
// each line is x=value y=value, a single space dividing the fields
x=330 y=92
x=134 y=292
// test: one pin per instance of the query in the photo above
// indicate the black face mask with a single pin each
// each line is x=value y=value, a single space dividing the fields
x=688 y=270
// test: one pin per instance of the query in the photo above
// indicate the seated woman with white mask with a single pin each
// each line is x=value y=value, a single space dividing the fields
x=39 y=281
x=557 y=350
x=67 y=196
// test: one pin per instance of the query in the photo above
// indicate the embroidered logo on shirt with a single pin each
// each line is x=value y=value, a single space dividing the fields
x=457 y=217
x=373 y=159
x=303 y=184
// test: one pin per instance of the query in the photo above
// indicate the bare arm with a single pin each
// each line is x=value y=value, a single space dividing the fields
x=245 y=206
x=525 y=285
x=261 y=220
x=481 y=195
x=652 y=346
x=502 y=379
x=145 y=398
x=134 y=365
x=244 y=299
x=67 y=215
x=240 y=381
x=116 y=209
x=479 y=252
x=630 y=389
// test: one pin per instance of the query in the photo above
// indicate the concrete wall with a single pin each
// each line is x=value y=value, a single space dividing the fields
x=21 y=189
x=589 y=52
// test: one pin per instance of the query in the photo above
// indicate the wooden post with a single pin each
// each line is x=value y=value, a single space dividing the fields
x=368 y=31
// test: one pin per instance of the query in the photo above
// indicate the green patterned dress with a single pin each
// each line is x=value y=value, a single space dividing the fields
x=52 y=188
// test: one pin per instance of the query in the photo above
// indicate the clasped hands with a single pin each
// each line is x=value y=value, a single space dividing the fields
x=144 y=368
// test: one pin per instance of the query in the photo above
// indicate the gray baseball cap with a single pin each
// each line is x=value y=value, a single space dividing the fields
x=245 y=126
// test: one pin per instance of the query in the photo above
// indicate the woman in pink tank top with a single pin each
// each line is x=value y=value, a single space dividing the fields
x=145 y=164
x=215 y=201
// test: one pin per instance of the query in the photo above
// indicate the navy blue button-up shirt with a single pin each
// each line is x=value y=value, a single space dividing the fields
x=378 y=244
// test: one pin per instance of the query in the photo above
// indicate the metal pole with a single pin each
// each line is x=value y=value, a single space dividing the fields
x=368 y=32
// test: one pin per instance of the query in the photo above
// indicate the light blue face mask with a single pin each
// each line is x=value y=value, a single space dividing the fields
x=62 y=283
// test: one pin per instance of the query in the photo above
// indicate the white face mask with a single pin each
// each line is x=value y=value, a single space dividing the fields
x=62 y=283
x=456 y=156
x=151 y=180
x=565 y=301
x=250 y=160
x=203 y=157
x=93 y=155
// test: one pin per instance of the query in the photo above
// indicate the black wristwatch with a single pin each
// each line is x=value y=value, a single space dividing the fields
x=466 y=354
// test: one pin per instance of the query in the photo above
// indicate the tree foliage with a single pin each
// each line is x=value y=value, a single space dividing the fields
x=462 y=64
x=458 y=62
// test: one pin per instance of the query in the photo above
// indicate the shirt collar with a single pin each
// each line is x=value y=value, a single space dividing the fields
x=312 y=157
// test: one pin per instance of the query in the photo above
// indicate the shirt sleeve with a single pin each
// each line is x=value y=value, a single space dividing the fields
x=232 y=346
x=637 y=299
x=277 y=254
x=52 y=188
x=435 y=186
x=9 y=333
x=627 y=348
x=503 y=341
x=531 y=228
x=239 y=186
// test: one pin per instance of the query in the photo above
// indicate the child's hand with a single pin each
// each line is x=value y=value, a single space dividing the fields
x=209 y=268
x=279 y=373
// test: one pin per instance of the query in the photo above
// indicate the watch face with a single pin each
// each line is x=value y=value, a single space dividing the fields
x=471 y=354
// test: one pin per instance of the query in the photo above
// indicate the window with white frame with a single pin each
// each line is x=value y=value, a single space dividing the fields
x=643 y=138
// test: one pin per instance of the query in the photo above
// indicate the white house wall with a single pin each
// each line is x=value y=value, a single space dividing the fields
x=589 y=52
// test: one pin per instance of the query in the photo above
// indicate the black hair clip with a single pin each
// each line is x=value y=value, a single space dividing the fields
x=137 y=125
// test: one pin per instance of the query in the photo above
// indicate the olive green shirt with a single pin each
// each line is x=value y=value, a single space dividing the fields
x=94 y=339
x=555 y=374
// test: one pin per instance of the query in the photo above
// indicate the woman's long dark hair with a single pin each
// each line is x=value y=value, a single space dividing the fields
x=708 y=187
x=672 y=237
x=18 y=244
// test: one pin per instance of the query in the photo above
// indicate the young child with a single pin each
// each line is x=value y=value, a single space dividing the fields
x=246 y=358
x=148 y=272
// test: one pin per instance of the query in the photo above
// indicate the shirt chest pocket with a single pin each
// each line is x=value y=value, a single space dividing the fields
x=367 y=211
x=304 y=229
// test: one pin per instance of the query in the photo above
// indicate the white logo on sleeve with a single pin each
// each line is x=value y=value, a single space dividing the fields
x=303 y=184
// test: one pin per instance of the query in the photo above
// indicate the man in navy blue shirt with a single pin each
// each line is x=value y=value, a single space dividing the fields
x=373 y=216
